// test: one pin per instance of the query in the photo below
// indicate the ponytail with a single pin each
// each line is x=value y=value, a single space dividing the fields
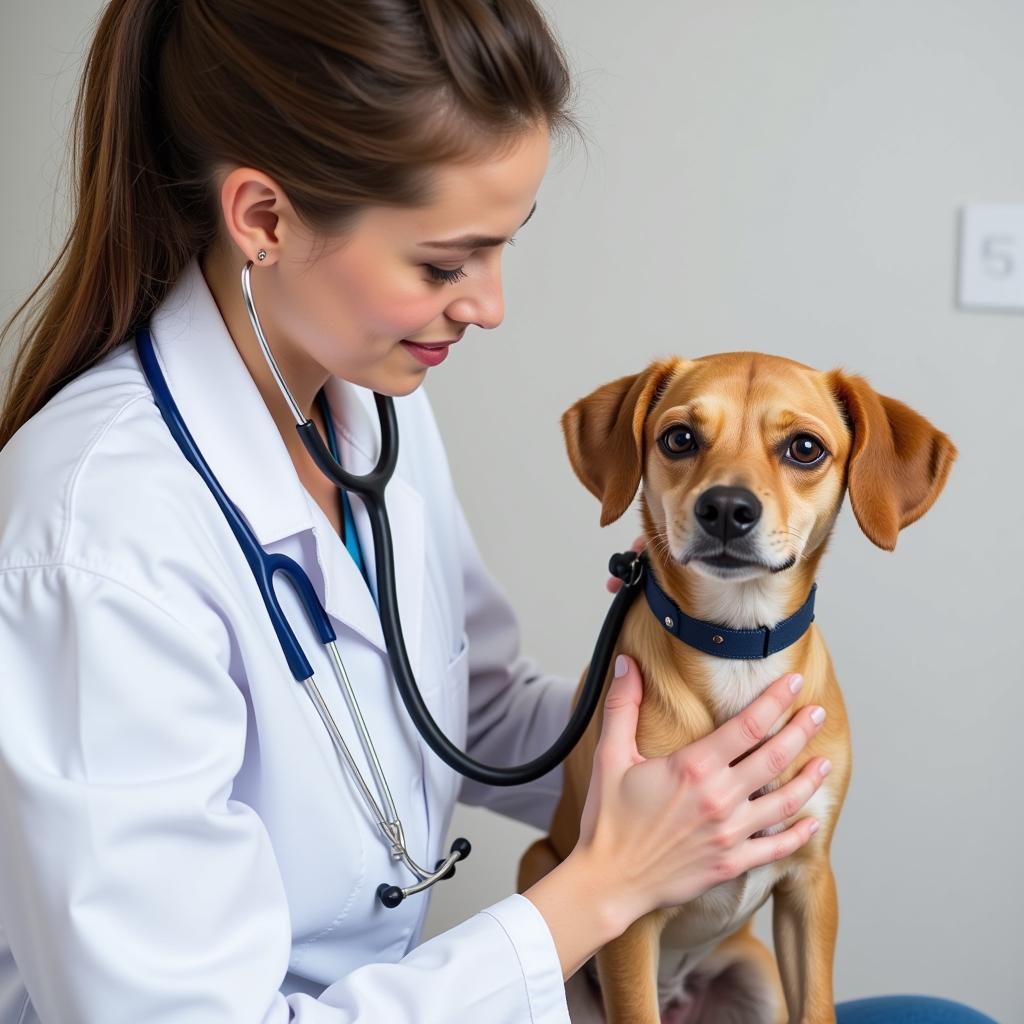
x=129 y=237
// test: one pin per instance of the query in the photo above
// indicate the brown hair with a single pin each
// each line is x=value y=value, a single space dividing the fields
x=345 y=103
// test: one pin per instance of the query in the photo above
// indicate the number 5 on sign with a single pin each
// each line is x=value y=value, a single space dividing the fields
x=992 y=257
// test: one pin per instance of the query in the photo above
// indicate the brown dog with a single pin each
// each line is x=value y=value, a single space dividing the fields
x=744 y=459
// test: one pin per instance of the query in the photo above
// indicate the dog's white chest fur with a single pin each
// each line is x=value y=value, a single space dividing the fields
x=735 y=682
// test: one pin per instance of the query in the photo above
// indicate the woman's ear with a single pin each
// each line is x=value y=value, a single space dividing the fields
x=898 y=461
x=604 y=434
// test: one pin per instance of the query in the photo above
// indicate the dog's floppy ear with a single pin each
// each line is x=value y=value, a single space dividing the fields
x=898 y=461
x=604 y=433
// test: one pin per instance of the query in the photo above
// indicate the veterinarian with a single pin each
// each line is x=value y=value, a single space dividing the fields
x=283 y=209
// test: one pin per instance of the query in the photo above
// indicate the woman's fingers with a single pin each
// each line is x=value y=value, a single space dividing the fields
x=785 y=802
x=765 y=849
x=616 y=750
x=731 y=740
x=780 y=751
x=616 y=746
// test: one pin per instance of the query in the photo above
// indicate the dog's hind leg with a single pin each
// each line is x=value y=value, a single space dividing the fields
x=628 y=971
x=804 y=922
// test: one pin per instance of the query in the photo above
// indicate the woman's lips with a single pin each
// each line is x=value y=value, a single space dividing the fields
x=429 y=355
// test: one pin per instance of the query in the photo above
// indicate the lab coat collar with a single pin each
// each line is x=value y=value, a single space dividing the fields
x=234 y=430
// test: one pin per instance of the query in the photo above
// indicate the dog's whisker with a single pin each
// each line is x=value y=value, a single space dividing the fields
x=661 y=545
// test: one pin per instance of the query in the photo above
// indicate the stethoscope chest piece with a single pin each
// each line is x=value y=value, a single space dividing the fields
x=392 y=895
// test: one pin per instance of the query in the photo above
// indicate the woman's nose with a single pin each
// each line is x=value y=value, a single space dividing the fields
x=480 y=301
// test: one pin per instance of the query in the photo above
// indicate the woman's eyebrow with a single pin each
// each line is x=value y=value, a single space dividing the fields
x=475 y=241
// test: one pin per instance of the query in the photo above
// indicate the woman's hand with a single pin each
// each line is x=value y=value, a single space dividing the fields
x=664 y=830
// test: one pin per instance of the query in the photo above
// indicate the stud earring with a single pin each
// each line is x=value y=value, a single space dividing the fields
x=261 y=255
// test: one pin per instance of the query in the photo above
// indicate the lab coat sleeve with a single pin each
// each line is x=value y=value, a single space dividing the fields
x=134 y=888
x=516 y=711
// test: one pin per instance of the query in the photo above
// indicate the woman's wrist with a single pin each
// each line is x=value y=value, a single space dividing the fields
x=582 y=906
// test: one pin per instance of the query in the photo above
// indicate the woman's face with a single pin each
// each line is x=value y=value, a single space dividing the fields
x=383 y=306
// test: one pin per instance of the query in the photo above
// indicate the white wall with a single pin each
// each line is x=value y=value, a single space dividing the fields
x=786 y=177
x=783 y=177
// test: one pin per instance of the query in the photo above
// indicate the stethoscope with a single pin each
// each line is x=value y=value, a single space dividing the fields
x=370 y=487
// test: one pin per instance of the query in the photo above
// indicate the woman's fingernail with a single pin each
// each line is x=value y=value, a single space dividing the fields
x=825 y=767
x=818 y=715
x=795 y=682
x=621 y=666
x=813 y=827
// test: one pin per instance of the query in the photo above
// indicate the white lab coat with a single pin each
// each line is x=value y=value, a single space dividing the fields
x=179 y=841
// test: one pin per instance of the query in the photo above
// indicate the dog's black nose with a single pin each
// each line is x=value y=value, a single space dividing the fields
x=728 y=512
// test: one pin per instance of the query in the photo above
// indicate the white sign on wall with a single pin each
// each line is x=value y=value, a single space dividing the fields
x=992 y=256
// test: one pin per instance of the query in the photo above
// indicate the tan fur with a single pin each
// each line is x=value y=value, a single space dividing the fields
x=893 y=464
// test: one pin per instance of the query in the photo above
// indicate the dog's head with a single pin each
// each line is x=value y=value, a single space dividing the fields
x=745 y=457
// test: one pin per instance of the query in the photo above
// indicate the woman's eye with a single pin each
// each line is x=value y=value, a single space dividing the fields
x=452 y=276
x=448 y=276
x=678 y=441
x=805 y=450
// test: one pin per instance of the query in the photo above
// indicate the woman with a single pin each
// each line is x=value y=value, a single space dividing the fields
x=180 y=840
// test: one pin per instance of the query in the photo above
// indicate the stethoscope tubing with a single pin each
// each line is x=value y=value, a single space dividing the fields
x=371 y=487
x=409 y=691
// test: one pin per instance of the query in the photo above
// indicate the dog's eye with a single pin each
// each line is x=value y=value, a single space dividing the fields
x=805 y=450
x=678 y=441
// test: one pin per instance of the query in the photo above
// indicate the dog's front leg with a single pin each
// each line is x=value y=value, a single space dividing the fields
x=628 y=971
x=804 y=923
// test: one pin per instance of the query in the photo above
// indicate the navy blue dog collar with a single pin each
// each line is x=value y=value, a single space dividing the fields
x=721 y=641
